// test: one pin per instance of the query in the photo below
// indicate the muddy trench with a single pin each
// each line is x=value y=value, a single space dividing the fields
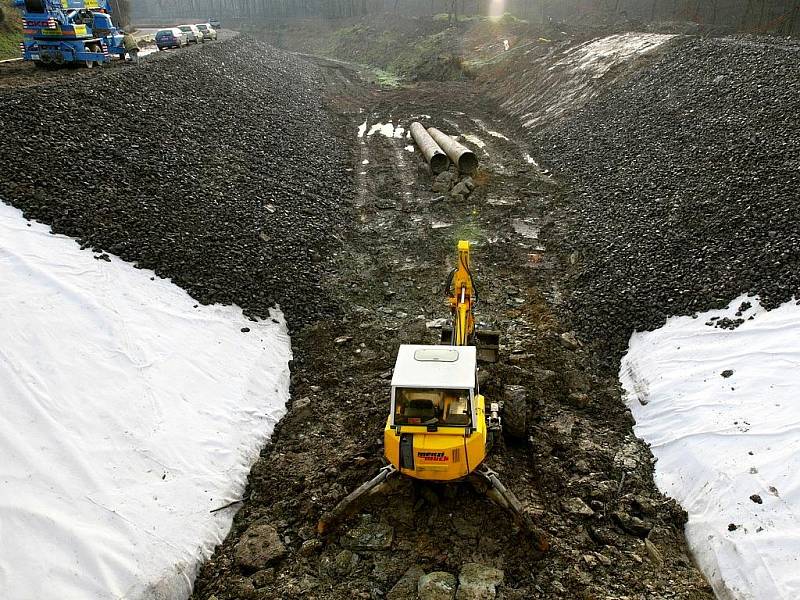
x=583 y=476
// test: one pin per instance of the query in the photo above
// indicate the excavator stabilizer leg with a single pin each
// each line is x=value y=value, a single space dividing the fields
x=505 y=498
x=330 y=519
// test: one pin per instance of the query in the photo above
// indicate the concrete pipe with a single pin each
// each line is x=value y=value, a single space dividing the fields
x=430 y=150
x=463 y=157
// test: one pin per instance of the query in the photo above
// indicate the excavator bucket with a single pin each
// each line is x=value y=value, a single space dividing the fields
x=488 y=345
x=486 y=341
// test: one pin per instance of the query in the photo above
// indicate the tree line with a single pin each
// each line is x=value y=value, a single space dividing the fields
x=781 y=16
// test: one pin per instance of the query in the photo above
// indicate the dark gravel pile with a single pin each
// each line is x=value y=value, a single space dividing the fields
x=686 y=186
x=218 y=168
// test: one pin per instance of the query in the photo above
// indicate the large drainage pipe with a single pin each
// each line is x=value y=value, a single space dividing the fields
x=430 y=150
x=463 y=157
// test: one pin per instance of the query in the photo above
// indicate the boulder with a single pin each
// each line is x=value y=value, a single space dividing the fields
x=478 y=582
x=259 y=547
x=406 y=586
x=367 y=535
x=576 y=506
x=438 y=585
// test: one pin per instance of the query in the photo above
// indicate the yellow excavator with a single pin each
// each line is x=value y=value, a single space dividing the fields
x=440 y=427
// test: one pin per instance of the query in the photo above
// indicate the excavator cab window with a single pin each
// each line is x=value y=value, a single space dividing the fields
x=443 y=407
x=35 y=6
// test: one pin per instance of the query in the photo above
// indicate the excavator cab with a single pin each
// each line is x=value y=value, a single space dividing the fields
x=436 y=429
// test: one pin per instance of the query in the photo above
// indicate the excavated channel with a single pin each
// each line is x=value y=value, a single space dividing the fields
x=219 y=183
x=584 y=477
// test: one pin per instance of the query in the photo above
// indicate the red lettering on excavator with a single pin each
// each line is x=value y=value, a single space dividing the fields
x=433 y=456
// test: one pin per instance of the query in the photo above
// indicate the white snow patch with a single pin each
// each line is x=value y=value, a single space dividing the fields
x=475 y=140
x=147 y=50
x=529 y=159
x=365 y=162
x=570 y=81
x=409 y=148
x=600 y=55
x=719 y=440
x=483 y=126
x=385 y=129
x=362 y=128
x=497 y=134
x=127 y=415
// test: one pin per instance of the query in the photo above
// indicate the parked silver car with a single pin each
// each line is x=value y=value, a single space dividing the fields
x=193 y=33
x=209 y=33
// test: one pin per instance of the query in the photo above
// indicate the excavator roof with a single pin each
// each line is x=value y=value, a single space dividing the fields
x=442 y=367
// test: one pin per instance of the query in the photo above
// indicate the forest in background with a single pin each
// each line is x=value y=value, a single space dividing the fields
x=756 y=16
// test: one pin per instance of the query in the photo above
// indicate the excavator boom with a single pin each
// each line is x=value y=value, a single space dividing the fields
x=462 y=298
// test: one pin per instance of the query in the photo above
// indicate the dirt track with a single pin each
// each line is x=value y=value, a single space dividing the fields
x=388 y=282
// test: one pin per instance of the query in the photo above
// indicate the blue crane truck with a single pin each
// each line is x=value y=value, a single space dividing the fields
x=61 y=32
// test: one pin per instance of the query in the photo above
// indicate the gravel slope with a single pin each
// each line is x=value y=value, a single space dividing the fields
x=218 y=169
x=686 y=184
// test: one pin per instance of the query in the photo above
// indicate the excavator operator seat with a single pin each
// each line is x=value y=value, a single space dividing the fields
x=422 y=409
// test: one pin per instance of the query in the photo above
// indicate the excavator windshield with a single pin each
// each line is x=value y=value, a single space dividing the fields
x=442 y=407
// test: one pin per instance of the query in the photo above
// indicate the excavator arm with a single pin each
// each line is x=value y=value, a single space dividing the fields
x=462 y=296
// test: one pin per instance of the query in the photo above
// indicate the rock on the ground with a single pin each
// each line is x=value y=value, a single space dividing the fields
x=438 y=585
x=406 y=586
x=576 y=506
x=259 y=547
x=443 y=182
x=368 y=535
x=478 y=582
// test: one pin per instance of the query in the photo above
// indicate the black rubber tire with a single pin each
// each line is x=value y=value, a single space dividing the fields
x=515 y=412
x=90 y=64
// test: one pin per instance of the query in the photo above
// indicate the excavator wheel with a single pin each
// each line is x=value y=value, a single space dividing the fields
x=515 y=412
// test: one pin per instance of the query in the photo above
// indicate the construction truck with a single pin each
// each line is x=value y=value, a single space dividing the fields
x=440 y=427
x=69 y=32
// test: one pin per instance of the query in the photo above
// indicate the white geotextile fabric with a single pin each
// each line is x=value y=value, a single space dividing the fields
x=720 y=440
x=127 y=415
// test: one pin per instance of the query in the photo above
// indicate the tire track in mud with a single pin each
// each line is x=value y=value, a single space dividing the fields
x=583 y=476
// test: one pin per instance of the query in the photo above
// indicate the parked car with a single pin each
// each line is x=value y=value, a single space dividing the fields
x=193 y=33
x=209 y=33
x=215 y=23
x=171 y=38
